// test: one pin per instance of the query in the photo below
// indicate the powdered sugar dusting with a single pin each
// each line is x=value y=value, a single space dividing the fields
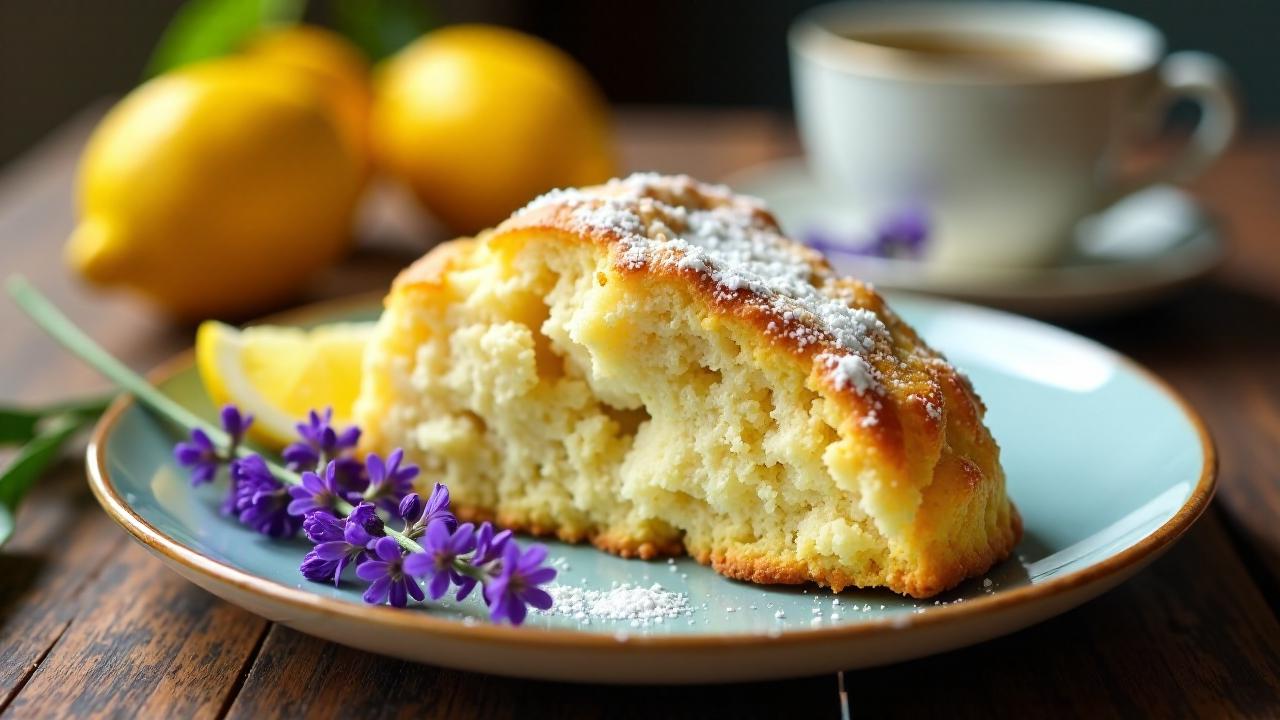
x=640 y=606
x=932 y=409
x=850 y=371
x=659 y=221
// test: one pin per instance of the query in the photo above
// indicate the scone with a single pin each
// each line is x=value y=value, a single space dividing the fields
x=651 y=366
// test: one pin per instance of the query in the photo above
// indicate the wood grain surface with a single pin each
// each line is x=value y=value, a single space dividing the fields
x=91 y=625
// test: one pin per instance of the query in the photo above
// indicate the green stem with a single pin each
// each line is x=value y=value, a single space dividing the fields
x=465 y=568
x=405 y=541
x=58 y=326
x=50 y=319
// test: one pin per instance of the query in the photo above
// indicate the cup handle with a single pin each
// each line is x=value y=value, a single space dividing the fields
x=1206 y=80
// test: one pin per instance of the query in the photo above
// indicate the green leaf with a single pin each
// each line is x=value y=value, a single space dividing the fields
x=19 y=425
x=32 y=460
x=204 y=29
x=382 y=27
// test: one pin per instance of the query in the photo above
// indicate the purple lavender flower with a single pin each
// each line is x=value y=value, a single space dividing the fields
x=388 y=482
x=330 y=557
x=320 y=566
x=901 y=234
x=489 y=548
x=490 y=544
x=441 y=549
x=323 y=527
x=516 y=584
x=199 y=456
x=315 y=492
x=365 y=517
x=350 y=476
x=262 y=500
x=386 y=575
x=202 y=457
x=418 y=517
x=410 y=509
x=320 y=442
x=235 y=423
x=299 y=456
x=437 y=508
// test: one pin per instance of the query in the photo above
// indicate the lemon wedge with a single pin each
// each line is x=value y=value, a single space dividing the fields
x=277 y=374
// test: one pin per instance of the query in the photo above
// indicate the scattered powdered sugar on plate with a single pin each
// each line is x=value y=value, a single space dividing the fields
x=641 y=606
x=735 y=243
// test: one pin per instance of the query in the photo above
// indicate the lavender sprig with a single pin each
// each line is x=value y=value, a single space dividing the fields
x=392 y=562
x=261 y=492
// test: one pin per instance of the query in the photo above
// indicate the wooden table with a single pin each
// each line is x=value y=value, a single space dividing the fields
x=90 y=624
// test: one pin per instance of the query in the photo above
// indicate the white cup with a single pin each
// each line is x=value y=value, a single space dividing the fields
x=1004 y=157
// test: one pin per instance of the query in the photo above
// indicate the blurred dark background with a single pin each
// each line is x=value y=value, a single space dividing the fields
x=56 y=56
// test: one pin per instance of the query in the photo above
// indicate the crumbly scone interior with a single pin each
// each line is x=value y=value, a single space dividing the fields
x=538 y=385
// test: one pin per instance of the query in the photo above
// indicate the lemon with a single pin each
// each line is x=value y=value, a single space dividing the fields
x=478 y=120
x=217 y=190
x=337 y=66
x=278 y=374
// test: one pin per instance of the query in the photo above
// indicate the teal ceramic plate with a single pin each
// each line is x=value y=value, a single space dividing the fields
x=1106 y=464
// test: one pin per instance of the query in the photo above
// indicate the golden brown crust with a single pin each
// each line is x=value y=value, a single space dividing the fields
x=432 y=268
x=772 y=571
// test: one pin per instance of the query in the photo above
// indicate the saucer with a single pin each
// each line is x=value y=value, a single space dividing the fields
x=1136 y=252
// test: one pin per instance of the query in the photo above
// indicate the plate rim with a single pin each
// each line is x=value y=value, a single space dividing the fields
x=119 y=510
